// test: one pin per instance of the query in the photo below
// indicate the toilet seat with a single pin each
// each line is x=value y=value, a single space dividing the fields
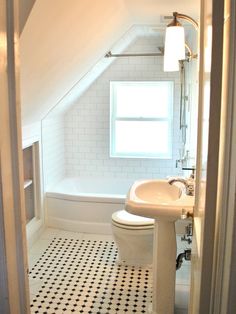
x=125 y=220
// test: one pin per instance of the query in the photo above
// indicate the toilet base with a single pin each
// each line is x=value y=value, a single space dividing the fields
x=135 y=247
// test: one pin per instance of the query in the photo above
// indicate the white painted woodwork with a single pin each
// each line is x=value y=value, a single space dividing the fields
x=212 y=226
x=33 y=189
x=13 y=262
x=202 y=156
x=224 y=275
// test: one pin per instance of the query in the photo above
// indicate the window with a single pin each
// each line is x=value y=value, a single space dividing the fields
x=141 y=119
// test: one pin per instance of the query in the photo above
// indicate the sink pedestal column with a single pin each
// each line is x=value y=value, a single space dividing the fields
x=164 y=267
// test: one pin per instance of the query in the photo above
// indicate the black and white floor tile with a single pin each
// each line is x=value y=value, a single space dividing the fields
x=82 y=276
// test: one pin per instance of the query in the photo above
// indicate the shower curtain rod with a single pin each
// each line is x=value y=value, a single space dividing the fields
x=189 y=55
x=157 y=54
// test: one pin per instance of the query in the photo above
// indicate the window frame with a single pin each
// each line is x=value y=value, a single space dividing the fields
x=114 y=118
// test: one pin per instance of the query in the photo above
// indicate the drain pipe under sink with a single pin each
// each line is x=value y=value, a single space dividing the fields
x=185 y=255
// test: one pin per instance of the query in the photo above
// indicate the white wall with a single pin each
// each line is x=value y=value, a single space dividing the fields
x=87 y=123
x=53 y=150
x=62 y=40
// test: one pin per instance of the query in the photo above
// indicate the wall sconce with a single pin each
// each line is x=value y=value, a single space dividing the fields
x=175 y=42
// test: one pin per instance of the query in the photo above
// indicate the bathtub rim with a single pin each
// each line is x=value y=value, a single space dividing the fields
x=88 y=197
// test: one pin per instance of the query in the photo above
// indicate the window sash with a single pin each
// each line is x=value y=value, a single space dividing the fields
x=114 y=118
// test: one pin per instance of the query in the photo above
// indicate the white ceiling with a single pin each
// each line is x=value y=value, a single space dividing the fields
x=62 y=40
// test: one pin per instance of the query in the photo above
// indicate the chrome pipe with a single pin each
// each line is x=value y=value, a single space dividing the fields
x=117 y=55
x=186 y=18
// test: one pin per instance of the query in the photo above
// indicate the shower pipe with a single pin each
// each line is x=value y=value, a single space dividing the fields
x=182 y=123
x=186 y=18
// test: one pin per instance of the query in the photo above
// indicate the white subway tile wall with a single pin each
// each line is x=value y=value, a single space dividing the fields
x=53 y=150
x=87 y=122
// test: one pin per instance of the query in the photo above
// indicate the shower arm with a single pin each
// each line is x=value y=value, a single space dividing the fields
x=186 y=18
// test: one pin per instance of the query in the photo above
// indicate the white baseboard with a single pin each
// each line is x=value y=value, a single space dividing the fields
x=34 y=230
x=78 y=226
x=99 y=228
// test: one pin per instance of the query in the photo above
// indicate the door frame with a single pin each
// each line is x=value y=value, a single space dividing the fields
x=13 y=262
x=224 y=274
x=216 y=293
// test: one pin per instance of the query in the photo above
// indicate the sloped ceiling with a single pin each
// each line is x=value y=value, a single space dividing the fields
x=63 y=39
x=25 y=6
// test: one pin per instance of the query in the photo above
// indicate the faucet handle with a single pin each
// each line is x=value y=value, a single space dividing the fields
x=190 y=187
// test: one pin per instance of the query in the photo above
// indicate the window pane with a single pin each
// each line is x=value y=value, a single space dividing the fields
x=142 y=137
x=143 y=99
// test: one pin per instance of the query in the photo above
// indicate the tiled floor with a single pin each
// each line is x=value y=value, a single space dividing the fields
x=77 y=273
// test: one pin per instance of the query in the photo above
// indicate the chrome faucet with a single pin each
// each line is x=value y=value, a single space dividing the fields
x=188 y=183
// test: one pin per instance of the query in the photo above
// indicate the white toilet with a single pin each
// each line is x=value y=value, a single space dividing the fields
x=134 y=238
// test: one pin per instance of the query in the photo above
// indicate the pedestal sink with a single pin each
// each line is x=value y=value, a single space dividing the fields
x=165 y=203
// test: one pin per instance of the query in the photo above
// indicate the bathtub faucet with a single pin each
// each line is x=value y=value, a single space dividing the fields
x=188 y=183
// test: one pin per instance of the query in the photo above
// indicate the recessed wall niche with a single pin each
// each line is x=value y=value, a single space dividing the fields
x=31 y=181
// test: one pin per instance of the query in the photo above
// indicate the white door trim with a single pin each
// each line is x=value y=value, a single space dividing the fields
x=13 y=232
x=224 y=277
x=214 y=292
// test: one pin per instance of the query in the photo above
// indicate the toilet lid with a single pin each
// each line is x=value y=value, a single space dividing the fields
x=122 y=217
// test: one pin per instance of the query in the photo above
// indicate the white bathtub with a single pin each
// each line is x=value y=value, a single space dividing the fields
x=85 y=204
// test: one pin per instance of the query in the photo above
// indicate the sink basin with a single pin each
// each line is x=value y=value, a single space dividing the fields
x=165 y=203
x=158 y=199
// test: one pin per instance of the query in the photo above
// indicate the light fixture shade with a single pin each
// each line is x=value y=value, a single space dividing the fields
x=171 y=64
x=174 y=47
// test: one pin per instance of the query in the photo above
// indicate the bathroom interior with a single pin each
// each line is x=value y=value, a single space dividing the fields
x=96 y=131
